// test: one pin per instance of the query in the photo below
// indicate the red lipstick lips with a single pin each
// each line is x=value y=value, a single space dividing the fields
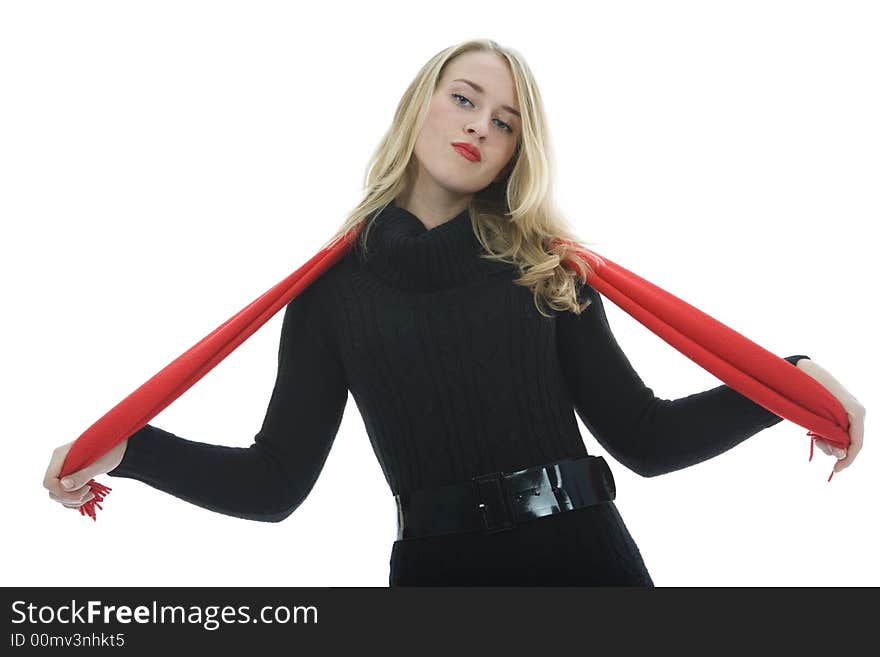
x=467 y=150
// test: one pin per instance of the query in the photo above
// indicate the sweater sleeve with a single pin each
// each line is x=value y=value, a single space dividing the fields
x=648 y=435
x=269 y=479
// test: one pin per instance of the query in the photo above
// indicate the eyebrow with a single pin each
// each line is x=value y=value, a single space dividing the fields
x=481 y=90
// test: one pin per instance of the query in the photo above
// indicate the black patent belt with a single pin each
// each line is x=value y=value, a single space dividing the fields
x=500 y=500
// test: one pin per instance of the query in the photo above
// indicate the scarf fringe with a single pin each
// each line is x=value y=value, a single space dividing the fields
x=101 y=491
x=813 y=437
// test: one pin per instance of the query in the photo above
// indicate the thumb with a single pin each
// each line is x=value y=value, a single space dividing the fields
x=74 y=480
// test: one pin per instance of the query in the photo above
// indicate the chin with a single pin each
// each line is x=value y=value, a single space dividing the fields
x=461 y=185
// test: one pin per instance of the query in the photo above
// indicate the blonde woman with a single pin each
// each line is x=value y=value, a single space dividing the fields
x=468 y=348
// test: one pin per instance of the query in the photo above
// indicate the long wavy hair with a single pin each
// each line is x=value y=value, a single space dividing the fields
x=515 y=217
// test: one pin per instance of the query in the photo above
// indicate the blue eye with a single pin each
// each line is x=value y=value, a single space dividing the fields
x=506 y=126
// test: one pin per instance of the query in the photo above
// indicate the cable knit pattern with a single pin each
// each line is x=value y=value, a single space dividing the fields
x=452 y=367
x=455 y=373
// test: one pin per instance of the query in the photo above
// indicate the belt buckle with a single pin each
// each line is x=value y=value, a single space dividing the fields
x=493 y=503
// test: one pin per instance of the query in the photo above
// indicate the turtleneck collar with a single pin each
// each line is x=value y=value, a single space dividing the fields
x=408 y=256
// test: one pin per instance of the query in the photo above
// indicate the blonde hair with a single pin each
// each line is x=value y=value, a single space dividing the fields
x=514 y=218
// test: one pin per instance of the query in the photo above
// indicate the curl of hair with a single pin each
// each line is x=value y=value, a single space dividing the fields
x=514 y=218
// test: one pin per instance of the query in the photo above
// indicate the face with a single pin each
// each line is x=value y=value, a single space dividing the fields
x=484 y=117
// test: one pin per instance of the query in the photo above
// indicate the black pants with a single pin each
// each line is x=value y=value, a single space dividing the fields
x=590 y=546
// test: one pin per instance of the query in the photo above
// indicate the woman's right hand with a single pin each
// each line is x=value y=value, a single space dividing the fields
x=79 y=492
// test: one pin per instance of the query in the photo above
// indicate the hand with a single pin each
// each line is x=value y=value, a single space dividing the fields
x=854 y=410
x=79 y=493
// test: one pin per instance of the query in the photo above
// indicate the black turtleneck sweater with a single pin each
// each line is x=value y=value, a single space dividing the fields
x=455 y=373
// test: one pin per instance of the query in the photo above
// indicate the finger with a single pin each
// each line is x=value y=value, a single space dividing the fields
x=76 y=505
x=834 y=450
x=63 y=500
x=856 y=437
x=73 y=496
x=75 y=481
x=822 y=445
x=50 y=480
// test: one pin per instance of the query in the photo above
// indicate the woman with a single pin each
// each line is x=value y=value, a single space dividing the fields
x=468 y=348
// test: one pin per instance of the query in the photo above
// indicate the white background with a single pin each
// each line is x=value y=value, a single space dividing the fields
x=162 y=164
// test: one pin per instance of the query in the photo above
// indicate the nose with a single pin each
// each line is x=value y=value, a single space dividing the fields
x=476 y=128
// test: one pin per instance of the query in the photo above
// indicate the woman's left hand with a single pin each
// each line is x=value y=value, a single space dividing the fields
x=854 y=410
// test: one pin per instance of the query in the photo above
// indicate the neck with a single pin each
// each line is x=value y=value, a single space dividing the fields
x=405 y=254
x=433 y=209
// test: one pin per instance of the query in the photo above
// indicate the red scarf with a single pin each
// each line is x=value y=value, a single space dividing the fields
x=748 y=368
